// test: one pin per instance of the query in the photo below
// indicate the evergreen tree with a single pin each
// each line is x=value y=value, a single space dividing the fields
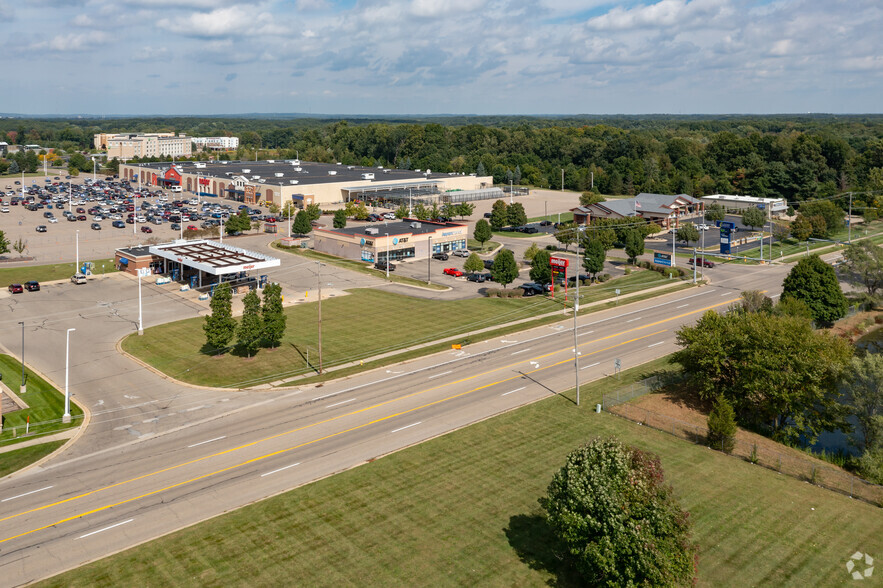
x=499 y=215
x=220 y=326
x=482 y=232
x=722 y=426
x=272 y=315
x=14 y=168
x=517 y=175
x=302 y=224
x=480 y=171
x=339 y=221
x=505 y=270
x=248 y=335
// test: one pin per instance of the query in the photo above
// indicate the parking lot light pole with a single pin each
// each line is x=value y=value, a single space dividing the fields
x=429 y=263
x=319 y=282
x=387 y=256
x=66 y=417
x=24 y=385
x=575 y=313
x=140 y=323
x=77 y=266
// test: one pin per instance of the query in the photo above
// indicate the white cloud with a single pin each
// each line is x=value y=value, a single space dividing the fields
x=83 y=20
x=444 y=8
x=231 y=21
x=72 y=43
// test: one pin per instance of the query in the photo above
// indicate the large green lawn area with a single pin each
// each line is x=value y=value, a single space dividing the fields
x=362 y=324
x=50 y=272
x=44 y=401
x=461 y=510
x=13 y=461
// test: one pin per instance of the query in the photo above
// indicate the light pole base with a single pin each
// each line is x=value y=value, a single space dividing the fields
x=66 y=418
x=23 y=389
x=140 y=331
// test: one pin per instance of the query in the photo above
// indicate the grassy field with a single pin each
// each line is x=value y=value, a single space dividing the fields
x=176 y=348
x=475 y=246
x=45 y=404
x=48 y=273
x=20 y=458
x=356 y=266
x=461 y=510
x=566 y=217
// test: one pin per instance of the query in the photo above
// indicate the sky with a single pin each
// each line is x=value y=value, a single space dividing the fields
x=485 y=57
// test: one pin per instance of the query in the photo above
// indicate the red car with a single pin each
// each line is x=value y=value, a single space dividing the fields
x=452 y=271
x=703 y=262
x=191 y=228
x=146 y=229
x=16 y=288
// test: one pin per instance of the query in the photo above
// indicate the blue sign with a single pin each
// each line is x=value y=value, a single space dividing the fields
x=725 y=240
x=395 y=240
x=363 y=241
x=662 y=258
x=726 y=225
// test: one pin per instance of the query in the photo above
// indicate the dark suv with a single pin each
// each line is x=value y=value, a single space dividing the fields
x=703 y=262
x=440 y=256
x=382 y=266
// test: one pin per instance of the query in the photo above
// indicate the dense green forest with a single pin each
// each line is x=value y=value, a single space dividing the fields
x=795 y=157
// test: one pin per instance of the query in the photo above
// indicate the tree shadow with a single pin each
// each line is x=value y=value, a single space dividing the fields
x=536 y=545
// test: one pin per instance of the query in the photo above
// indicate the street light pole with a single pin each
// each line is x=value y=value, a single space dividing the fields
x=23 y=388
x=319 y=282
x=77 y=266
x=575 y=313
x=429 y=263
x=140 y=323
x=387 y=256
x=66 y=417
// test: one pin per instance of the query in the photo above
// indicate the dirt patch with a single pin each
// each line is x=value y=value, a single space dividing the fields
x=858 y=325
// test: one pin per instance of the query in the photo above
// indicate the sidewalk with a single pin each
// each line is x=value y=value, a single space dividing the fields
x=61 y=436
x=455 y=338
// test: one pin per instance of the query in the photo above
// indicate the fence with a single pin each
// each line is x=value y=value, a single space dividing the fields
x=806 y=469
x=636 y=389
x=10 y=435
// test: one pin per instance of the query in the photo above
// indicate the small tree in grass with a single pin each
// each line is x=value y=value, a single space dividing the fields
x=473 y=264
x=483 y=232
x=531 y=252
x=634 y=245
x=302 y=224
x=621 y=524
x=722 y=426
x=541 y=268
x=505 y=270
x=248 y=335
x=753 y=217
x=220 y=326
x=339 y=220
x=272 y=315
x=593 y=257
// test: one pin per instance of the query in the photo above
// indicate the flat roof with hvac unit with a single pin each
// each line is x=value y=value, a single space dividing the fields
x=213 y=257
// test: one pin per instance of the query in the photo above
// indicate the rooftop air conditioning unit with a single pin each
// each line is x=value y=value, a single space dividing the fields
x=415 y=225
x=256 y=177
x=386 y=171
x=416 y=170
x=199 y=164
x=372 y=231
x=338 y=163
x=379 y=167
x=332 y=172
x=351 y=167
x=246 y=170
x=278 y=174
x=228 y=174
x=298 y=169
x=225 y=162
x=367 y=176
x=293 y=181
x=271 y=161
x=296 y=162
x=263 y=181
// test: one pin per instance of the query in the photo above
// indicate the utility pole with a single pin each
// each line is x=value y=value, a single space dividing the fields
x=319 y=282
x=849 y=220
x=429 y=263
x=562 y=179
x=575 y=313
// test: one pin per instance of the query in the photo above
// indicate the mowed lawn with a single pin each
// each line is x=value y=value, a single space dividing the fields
x=50 y=272
x=13 y=461
x=461 y=510
x=362 y=324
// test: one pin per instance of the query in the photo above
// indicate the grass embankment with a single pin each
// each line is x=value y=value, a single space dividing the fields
x=365 y=323
x=461 y=510
x=13 y=461
x=44 y=401
x=475 y=246
x=50 y=272
x=566 y=217
x=356 y=266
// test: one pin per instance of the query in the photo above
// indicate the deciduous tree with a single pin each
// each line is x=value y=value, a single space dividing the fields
x=619 y=520
x=499 y=215
x=505 y=269
x=473 y=264
x=339 y=220
x=864 y=389
x=272 y=315
x=814 y=282
x=516 y=215
x=864 y=265
x=483 y=232
x=541 y=269
x=593 y=257
x=302 y=225
x=566 y=234
x=634 y=245
x=688 y=233
x=715 y=212
x=801 y=228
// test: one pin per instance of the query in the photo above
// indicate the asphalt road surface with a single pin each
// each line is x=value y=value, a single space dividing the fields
x=161 y=456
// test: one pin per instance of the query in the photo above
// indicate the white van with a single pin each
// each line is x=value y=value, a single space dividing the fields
x=175 y=188
x=78 y=279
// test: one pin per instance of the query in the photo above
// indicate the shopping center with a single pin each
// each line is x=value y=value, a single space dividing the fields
x=396 y=241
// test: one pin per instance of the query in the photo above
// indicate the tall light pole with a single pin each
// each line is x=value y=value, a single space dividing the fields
x=77 y=267
x=575 y=313
x=510 y=188
x=387 y=256
x=24 y=386
x=66 y=417
x=429 y=263
x=140 y=323
x=319 y=282
x=93 y=169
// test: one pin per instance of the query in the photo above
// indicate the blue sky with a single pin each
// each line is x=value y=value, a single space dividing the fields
x=441 y=56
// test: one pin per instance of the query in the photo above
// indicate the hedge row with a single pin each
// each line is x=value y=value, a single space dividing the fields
x=662 y=269
x=504 y=293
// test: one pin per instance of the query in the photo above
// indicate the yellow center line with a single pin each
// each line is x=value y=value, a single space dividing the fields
x=310 y=442
x=331 y=419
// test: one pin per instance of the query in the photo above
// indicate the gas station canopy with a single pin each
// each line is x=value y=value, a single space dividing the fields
x=213 y=257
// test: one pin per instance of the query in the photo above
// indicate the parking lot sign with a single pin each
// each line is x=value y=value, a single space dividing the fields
x=143 y=272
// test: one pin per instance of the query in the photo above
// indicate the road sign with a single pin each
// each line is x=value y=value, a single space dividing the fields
x=727 y=225
x=143 y=271
x=725 y=241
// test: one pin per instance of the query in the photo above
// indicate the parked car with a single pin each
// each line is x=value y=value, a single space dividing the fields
x=571 y=281
x=452 y=271
x=702 y=261
x=175 y=227
x=41 y=228
x=460 y=252
x=545 y=223
x=488 y=264
x=32 y=286
x=96 y=227
x=382 y=265
x=527 y=229
x=191 y=228
x=81 y=217
x=16 y=288
x=146 y=229
x=78 y=279
x=53 y=220
x=440 y=256
x=479 y=278
x=532 y=288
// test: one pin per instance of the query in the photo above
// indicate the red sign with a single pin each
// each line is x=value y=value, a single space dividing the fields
x=250 y=266
x=558 y=263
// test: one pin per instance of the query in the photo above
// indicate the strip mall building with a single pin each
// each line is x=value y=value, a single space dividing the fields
x=400 y=240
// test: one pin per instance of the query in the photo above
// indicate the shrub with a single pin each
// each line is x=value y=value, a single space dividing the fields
x=722 y=426
x=603 y=277
x=551 y=248
x=627 y=271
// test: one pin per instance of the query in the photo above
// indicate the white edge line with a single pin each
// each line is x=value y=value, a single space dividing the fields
x=637 y=318
x=341 y=402
x=520 y=351
x=655 y=344
x=681 y=306
x=105 y=529
x=27 y=493
x=440 y=375
x=280 y=469
x=209 y=441
x=513 y=391
x=726 y=294
x=406 y=427
x=592 y=365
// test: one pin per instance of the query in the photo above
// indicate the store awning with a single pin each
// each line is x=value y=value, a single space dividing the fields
x=124 y=261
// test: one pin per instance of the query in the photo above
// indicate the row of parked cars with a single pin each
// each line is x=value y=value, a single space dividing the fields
x=30 y=286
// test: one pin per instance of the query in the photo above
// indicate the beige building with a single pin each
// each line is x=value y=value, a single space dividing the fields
x=125 y=146
x=305 y=183
x=399 y=240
